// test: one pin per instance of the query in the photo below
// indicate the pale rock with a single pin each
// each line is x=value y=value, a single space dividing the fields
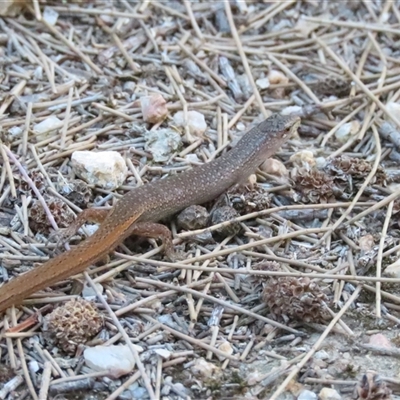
x=305 y=27
x=380 y=340
x=38 y=73
x=252 y=180
x=33 y=366
x=203 y=368
x=320 y=162
x=162 y=143
x=192 y=158
x=277 y=77
x=154 y=108
x=15 y=131
x=263 y=83
x=393 y=270
x=307 y=395
x=347 y=130
x=46 y=127
x=394 y=109
x=366 y=242
x=274 y=167
x=115 y=360
x=163 y=353
x=329 y=394
x=105 y=169
x=291 y=110
x=394 y=187
x=195 y=121
x=303 y=157
x=240 y=126
x=50 y=15
x=88 y=293
x=226 y=348
x=321 y=355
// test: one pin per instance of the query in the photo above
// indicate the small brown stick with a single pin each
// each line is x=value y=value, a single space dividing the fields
x=25 y=133
x=67 y=118
x=222 y=303
x=77 y=51
x=193 y=19
x=6 y=163
x=316 y=346
x=349 y=72
x=293 y=76
x=243 y=56
x=342 y=122
x=375 y=207
x=203 y=65
x=46 y=375
x=378 y=296
x=358 y=25
x=114 y=395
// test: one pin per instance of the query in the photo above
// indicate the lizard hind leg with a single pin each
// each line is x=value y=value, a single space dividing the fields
x=96 y=215
x=157 y=231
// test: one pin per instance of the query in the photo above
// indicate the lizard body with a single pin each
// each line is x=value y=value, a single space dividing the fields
x=136 y=212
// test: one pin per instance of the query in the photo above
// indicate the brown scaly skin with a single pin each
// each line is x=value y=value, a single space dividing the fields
x=137 y=211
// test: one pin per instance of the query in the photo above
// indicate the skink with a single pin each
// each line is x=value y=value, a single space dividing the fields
x=138 y=211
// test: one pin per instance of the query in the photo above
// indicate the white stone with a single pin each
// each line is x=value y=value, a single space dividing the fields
x=226 y=348
x=203 y=368
x=274 y=167
x=303 y=157
x=195 y=121
x=275 y=77
x=393 y=270
x=321 y=355
x=164 y=353
x=106 y=169
x=15 y=131
x=263 y=83
x=154 y=108
x=329 y=394
x=291 y=110
x=50 y=15
x=366 y=242
x=46 y=127
x=115 y=360
x=347 y=130
x=307 y=395
x=88 y=293
x=162 y=143
x=394 y=108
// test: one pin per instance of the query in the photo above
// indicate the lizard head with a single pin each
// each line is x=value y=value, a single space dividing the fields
x=280 y=126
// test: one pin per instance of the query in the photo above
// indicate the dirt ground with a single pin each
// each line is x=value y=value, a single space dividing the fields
x=288 y=284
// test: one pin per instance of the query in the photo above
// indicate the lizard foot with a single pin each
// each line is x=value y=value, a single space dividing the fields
x=176 y=255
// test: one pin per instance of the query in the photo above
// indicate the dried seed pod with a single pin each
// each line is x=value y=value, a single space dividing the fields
x=245 y=202
x=38 y=220
x=332 y=85
x=73 y=323
x=357 y=168
x=76 y=191
x=37 y=179
x=295 y=298
x=222 y=214
x=193 y=217
x=372 y=387
x=315 y=186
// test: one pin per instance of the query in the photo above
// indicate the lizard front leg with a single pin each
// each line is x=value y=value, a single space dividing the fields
x=157 y=231
x=96 y=215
